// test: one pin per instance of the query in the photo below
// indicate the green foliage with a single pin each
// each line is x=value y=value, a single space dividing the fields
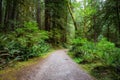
x=103 y=51
x=23 y=43
x=106 y=51
x=38 y=50
x=83 y=49
x=56 y=36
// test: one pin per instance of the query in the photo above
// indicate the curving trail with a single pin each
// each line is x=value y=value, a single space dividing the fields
x=58 y=66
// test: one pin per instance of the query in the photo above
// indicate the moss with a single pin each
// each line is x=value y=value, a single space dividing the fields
x=100 y=71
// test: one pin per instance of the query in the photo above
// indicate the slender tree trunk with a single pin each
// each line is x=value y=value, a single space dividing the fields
x=47 y=20
x=47 y=15
x=94 y=27
x=38 y=14
x=66 y=20
x=13 y=14
x=85 y=21
x=0 y=12
x=8 y=13
x=108 y=33
x=70 y=10
x=118 y=16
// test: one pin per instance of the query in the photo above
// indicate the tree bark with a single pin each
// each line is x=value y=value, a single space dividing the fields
x=108 y=33
x=8 y=13
x=94 y=27
x=13 y=14
x=118 y=16
x=0 y=12
x=85 y=21
x=70 y=10
x=38 y=14
x=47 y=15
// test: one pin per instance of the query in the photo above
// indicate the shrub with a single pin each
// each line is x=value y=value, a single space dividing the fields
x=38 y=50
x=103 y=51
x=24 y=43
x=83 y=49
x=106 y=52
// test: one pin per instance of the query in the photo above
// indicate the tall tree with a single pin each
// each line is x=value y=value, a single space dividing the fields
x=38 y=13
x=0 y=12
x=48 y=14
x=71 y=13
x=118 y=15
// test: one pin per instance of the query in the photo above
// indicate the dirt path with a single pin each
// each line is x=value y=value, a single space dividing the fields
x=58 y=66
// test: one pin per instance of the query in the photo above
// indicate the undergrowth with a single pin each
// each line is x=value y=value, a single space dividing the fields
x=14 y=69
x=104 y=52
x=23 y=43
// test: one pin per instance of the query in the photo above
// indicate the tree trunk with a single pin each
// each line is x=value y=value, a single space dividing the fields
x=13 y=15
x=108 y=32
x=8 y=14
x=38 y=14
x=69 y=8
x=118 y=16
x=0 y=12
x=85 y=21
x=47 y=15
x=94 y=27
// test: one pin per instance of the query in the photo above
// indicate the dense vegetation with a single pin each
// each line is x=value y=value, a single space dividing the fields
x=29 y=28
x=103 y=55
x=96 y=43
x=89 y=28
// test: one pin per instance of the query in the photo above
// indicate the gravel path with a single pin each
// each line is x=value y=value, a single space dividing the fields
x=58 y=66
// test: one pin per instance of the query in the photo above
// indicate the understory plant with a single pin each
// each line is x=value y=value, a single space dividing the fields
x=23 y=43
x=103 y=51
